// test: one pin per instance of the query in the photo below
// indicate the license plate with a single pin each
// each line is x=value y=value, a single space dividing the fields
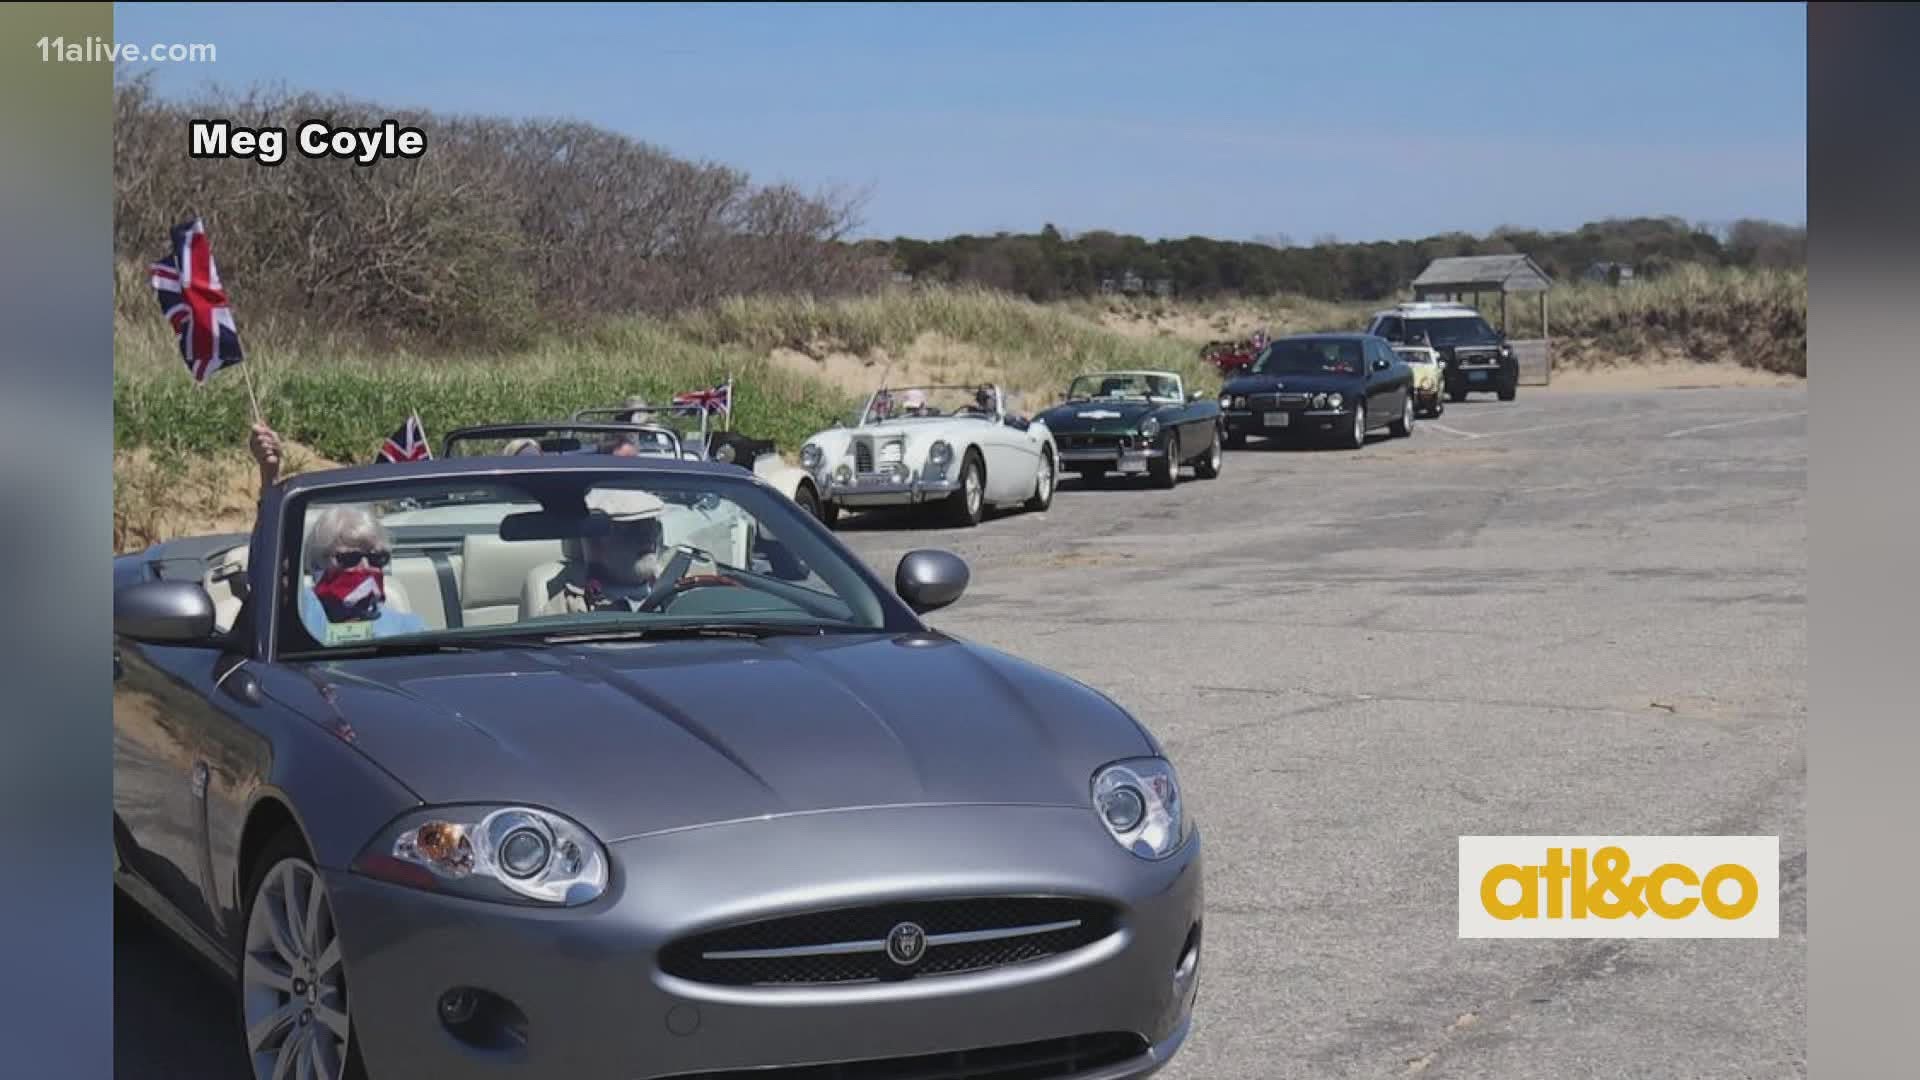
x=1275 y=419
x=1476 y=376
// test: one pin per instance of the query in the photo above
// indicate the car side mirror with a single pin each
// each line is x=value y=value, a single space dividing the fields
x=929 y=580
x=1195 y=395
x=1382 y=365
x=163 y=612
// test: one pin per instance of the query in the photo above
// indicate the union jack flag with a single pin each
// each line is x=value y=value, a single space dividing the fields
x=190 y=295
x=407 y=443
x=718 y=399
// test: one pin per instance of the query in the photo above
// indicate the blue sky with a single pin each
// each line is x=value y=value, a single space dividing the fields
x=1228 y=120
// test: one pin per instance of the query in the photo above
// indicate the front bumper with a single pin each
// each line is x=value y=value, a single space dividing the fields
x=1298 y=421
x=599 y=1008
x=1114 y=458
x=880 y=489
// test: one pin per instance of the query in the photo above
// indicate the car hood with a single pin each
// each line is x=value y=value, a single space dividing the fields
x=635 y=739
x=1101 y=416
x=1306 y=384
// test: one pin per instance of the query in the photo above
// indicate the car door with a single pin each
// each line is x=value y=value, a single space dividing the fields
x=167 y=715
x=1011 y=455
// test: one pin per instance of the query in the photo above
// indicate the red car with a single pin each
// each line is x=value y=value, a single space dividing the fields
x=1234 y=357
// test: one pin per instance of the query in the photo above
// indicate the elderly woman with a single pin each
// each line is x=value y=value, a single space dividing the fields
x=343 y=596
x=522 y=445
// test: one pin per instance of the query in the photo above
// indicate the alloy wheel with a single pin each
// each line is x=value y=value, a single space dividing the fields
x=294 y=994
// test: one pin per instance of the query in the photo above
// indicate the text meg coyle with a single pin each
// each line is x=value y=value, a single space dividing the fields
x=314 y=139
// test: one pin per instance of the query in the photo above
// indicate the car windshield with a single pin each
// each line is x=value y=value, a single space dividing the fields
x=1444 y=333
x=895 y=403
x=1124 y=386
x=1310 y=356
x=594 y=438
x=554 y=555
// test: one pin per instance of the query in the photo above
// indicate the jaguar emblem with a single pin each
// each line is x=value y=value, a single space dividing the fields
x=906 y=944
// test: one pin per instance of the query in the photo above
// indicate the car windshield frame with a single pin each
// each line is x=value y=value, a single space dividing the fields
x=1098 y=378
x=1475 y=330
x=871 y=607
x=1290 y=356
x=894 y=395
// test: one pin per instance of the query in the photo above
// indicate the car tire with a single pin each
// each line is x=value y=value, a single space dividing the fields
x=285 y=863
x=1165 y=469
x=967 y=506
x=1508 y=392
x=1403 y=424
x=809 y=500
x=829 y=514
x=1091 y=477
x=1439 y=407
x=1208 y=467
x=1457 y=394
x=1357 y=438
x=1236 y=440
x=1043 y=484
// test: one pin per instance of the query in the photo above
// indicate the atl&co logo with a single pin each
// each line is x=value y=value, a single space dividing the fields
x=1619 y=886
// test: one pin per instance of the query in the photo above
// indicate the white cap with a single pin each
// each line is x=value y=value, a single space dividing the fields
x=624 y=504
x=914 y=399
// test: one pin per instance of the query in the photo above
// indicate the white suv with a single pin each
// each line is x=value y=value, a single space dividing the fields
x=1474 y=356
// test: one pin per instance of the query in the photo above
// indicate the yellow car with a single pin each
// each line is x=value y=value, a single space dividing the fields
x=1428 y=378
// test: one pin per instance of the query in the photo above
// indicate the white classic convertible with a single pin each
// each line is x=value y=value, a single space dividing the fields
x=951 y=445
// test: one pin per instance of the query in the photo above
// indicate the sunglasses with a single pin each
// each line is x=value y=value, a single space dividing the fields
x=347 y=560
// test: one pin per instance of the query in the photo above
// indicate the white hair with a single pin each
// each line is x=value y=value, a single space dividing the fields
x=337 y=526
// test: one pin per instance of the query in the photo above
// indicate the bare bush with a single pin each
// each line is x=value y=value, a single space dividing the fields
x=501 y=227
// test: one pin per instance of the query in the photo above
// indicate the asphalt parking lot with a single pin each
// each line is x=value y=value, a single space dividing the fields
x=1576 y=613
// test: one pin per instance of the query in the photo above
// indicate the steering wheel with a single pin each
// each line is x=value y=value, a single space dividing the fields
x=673 y=580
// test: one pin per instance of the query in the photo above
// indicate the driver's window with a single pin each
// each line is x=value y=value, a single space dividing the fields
x=1391 y=328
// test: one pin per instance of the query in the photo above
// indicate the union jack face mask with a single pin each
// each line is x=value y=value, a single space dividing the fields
x=351 y=594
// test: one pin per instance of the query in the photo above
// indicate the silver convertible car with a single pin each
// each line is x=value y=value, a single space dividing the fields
x=625 y=768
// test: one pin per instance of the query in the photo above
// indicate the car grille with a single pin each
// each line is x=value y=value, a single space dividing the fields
x=1027 y=1061
x=1277 y=401
x=1092 y=442
x=863 y=455
x=848 y=945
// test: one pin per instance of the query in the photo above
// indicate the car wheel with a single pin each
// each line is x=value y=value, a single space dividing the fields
x=1357 y=438
x=1508 y=391
x=1043 y=484
x=294 y=1006
x=1091 y=477
x=967 y=506
x=1165 y=469
x=1236 y=440
x=809 y=500
x=1439 y=407
x=1403 y=427
x=1209 y=467
x=1457 y=394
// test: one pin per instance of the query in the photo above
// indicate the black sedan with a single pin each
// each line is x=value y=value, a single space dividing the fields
x=1321 y=385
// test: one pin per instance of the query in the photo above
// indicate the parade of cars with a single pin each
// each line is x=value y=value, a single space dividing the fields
x=545 y=822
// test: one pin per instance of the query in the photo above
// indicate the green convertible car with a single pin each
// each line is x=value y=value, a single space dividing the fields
x=1133 y=422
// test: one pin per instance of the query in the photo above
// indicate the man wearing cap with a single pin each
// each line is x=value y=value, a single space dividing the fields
x=612 y=571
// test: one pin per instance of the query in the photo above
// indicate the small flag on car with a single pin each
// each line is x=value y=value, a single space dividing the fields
x=190 y=295
x=408 y=443
x=718 y=399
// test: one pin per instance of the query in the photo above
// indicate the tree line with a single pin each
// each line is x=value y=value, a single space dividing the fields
x=1051 y=264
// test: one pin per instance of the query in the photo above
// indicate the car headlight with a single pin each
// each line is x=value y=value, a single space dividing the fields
x=811 y=457
x=1226 y=401
x=940 y=454
x=1149 y=427
x=507 y=853
x=1139 y=802
x=1334 y=401
x=1319 y=401
x=1240 y=402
